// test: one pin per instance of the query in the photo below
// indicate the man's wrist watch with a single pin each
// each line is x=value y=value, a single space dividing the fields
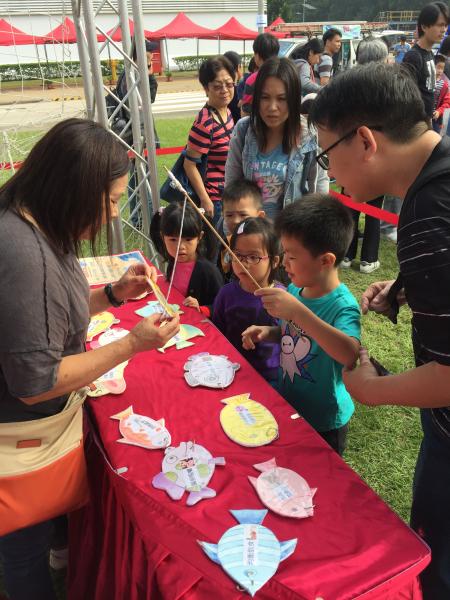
x=112 y=299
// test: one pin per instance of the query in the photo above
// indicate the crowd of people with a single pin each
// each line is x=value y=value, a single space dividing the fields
x=296 y=125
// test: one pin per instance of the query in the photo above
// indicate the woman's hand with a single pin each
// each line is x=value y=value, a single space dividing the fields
x=153 y=332
x=208 y=206
x=192 y=303
x=436 y=115
x=134 y=283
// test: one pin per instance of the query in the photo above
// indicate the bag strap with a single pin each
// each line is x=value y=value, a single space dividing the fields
x=219 y=116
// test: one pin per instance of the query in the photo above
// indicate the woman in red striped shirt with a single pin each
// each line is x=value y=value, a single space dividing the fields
x=210 y=134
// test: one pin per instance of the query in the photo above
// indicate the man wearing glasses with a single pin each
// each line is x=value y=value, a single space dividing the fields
x=374 y=130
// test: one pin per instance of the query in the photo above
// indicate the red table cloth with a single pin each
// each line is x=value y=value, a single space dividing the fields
x=132 y=542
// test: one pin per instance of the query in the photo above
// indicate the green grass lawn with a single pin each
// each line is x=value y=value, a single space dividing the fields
x=383 y=442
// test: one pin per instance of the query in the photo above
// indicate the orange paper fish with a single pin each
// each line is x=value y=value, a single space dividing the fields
x=138 y=430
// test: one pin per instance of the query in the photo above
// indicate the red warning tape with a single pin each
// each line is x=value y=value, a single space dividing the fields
x=367 y=209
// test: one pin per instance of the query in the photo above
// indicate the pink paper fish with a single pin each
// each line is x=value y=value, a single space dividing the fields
x=284 y=491
x=139 y=430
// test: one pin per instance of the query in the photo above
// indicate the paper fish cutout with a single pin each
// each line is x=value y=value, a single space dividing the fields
x=188 y=467
x=249 y=552
x=180 y=340
x=98 y=324
x=247 y=422
x=138 y=430
x=112 y=382
x=154 y=308
x=168 y=310
x=140 y=297
x=284 y=491
x=112 y=335
x=210 y=370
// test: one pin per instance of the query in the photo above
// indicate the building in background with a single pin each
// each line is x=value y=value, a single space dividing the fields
x=38 y=17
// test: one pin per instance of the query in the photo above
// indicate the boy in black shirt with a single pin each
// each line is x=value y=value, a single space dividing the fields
x=431 y=26
x=374 y=130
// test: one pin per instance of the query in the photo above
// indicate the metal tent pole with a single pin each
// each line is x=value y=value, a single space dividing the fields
x=147 y=114
x=84 y=59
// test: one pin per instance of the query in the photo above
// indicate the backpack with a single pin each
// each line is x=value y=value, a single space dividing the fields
x=121 y=117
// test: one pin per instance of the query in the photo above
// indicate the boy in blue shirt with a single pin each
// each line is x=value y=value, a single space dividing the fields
x=319 y=327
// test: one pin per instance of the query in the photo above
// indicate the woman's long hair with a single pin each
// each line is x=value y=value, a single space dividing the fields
x=284 y=70
x=65 y=182
x=313 y=45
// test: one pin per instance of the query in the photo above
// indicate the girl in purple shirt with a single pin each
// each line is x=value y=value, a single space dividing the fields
x=235 y=308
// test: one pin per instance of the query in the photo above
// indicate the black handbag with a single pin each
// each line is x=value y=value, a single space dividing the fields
x=168 y=190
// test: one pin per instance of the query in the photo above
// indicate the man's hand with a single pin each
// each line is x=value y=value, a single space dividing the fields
x=279 y=303
x=374 y=298
x=134 y=283
x=191 y=302
x=361 y=382
x=151 y=333
x=436 y=115
x=253 y=335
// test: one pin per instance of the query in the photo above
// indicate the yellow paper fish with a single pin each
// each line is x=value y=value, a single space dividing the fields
x=247 y=422
x=98 y=324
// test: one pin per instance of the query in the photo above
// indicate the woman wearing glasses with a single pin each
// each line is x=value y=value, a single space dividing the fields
x=273 y=146
x=210 y=134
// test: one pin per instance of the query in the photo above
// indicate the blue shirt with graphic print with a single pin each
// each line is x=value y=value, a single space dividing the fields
x=309 y=379
x=269 y=173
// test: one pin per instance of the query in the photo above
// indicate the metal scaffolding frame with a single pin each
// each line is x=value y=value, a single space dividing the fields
x=136 y=104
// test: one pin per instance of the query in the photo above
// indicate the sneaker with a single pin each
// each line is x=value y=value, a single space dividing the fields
x=346 y=263
x=391 y=236
x=367 y=267
x=58 y=558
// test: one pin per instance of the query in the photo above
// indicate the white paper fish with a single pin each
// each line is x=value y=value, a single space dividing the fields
x=138 y=430
x=188 y=467
x=112 y=382
x=284 y=491
x=112 y=335
x=210 y=370
x=249 y=552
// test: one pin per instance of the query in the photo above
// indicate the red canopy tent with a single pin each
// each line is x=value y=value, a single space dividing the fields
x=181 y=26
x=270 y=28
x=233 y=30
x=116 y=35
x=11 y=36
x=63 y=34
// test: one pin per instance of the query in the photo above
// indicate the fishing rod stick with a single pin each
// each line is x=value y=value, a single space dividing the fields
x=181 y=189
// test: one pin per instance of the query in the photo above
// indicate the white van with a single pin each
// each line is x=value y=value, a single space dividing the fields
x=347 y=55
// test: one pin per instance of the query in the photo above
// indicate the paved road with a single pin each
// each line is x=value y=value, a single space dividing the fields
x=34 y=114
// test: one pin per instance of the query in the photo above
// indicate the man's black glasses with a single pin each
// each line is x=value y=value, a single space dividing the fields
x=322 y=158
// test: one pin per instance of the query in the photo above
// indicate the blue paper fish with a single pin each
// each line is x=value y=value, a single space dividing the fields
x=249 y=552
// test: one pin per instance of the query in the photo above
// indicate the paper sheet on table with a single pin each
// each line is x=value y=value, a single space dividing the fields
x=100 y=270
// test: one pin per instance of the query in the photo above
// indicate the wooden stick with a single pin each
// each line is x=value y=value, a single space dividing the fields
x=181 y=189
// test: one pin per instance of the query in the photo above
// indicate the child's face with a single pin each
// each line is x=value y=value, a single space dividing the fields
x=235 y=212
x=440 y=66
x=251 y=248
x=188 y=247
x=303 y=269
